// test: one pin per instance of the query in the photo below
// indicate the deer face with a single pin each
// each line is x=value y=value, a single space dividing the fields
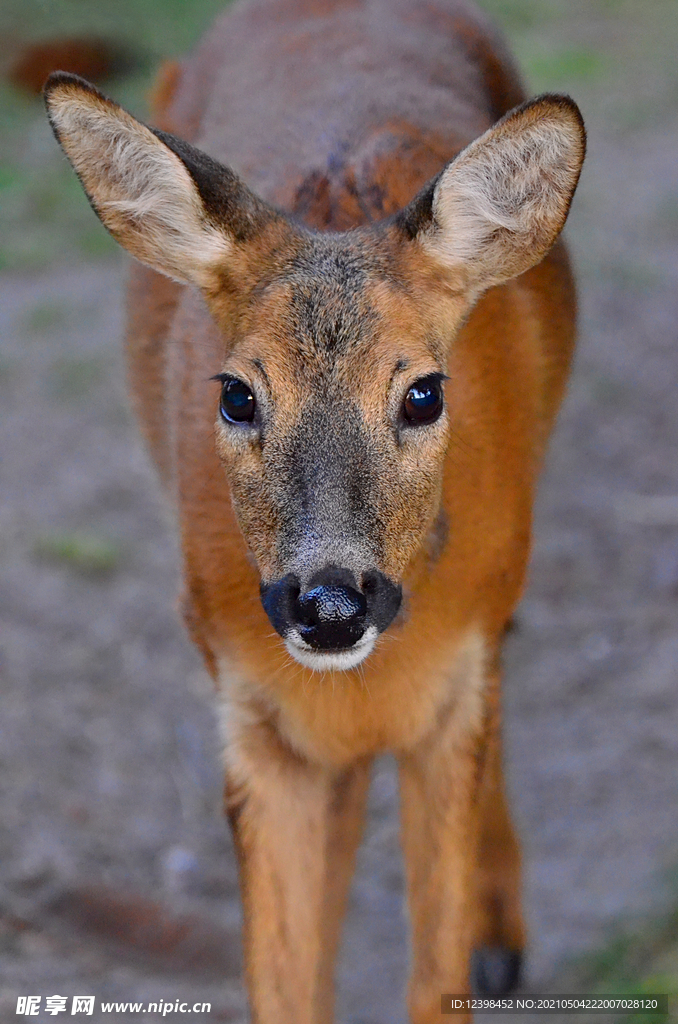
x=332 y=425
x=332 y=429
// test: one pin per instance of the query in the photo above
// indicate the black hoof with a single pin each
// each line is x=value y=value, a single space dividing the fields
x=495 y=970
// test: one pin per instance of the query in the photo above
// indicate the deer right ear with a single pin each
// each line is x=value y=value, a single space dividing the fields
x=168 y=204
x=499 y=206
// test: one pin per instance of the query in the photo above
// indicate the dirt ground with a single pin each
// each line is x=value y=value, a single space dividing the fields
x=117 y=875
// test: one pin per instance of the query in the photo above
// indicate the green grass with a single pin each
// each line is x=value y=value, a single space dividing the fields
x=639 y=963
x=72 y=378
x=616 y=57
x=558 y=69
x=57 y=315
x=47 y=317
x=638 y=958
x=83 y=553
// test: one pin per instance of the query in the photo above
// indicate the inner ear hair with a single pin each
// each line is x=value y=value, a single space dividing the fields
x=497 y=209
x=168 y=204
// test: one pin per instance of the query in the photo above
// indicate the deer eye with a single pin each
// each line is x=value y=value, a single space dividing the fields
x=237 y=401
x=424 y=401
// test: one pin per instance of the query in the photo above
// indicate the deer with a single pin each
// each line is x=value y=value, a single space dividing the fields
x=350 y=325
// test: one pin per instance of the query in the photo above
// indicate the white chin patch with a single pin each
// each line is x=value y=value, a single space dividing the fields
x=325 y=661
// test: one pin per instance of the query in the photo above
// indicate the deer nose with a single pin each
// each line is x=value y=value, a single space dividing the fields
x=331 y=615
x=332 y=612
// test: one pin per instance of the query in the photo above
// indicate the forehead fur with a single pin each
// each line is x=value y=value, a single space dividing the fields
x=343 y=307
x=328 y=286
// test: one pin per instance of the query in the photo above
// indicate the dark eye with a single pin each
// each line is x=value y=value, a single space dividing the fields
x=237 y=401
x=423 y=402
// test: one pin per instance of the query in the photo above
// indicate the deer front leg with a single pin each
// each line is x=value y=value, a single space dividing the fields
x=345 y=819
x=286 y=813
x=440 y=783
x=501 y=930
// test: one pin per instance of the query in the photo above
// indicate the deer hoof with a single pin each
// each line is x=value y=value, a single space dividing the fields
x=495 y=970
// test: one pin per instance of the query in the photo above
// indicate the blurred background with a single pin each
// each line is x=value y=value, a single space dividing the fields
x=117 y=876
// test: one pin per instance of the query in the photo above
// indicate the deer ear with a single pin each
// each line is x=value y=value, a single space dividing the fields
x=167 y=203
x=497 y=209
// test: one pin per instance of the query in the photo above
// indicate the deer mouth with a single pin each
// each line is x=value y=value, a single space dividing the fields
x=326 y=661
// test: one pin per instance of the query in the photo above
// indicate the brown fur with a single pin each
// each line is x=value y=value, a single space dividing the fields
x=340 y=112
x=93 y=58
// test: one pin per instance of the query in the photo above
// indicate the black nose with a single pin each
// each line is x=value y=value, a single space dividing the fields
x=334 y=611
x=331 y=615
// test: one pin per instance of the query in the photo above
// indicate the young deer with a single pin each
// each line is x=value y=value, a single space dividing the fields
x=356 y=525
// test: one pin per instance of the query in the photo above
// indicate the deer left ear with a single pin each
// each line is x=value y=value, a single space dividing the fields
x=167 y=203
x=497 y=209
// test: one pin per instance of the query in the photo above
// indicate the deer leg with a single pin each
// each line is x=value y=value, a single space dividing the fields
x=286 y=814
x=440 y=783
x=501 y=931
x=344 y=829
